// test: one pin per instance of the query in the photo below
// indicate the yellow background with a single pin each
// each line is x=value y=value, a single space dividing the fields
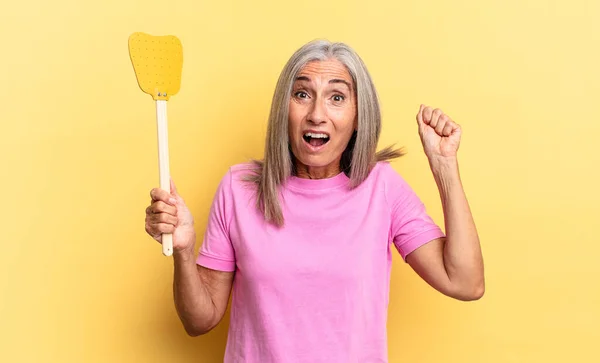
x=80 y=281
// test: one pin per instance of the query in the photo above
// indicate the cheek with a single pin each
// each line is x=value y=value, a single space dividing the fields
x=292 y=120
x=295 y=120
x=294 y=115
x=346 y=121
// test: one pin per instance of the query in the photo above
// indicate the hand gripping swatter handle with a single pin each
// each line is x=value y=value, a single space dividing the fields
x=163 y=164
x=157 y=62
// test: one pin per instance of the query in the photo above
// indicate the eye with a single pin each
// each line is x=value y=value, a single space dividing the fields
x=301 y=94
x=338 y=98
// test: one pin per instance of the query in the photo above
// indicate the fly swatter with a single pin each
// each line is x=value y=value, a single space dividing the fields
x=157 y=62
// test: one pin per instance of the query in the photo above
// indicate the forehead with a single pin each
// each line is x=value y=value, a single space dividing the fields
x=328 y=69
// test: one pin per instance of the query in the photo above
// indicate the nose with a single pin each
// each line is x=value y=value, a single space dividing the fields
x=317 y=114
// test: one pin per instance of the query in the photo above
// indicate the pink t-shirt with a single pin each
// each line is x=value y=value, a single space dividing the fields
x=317 y=289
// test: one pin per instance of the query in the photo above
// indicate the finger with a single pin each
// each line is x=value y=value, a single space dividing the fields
x=167 y=218
x=157 y=194
x=442 y=121
x=162 y=218
x=420 y=115
x=156 y=228
x=456 y=127
x=152 y=232
x=435 y=117
x=162 y=207
x=447 y=131
x=427 y=113
x=164 y=228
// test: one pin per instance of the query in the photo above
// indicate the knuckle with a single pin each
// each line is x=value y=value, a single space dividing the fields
x=164 y=207
x=157 y=194
x=165 y=218
x=166 y=228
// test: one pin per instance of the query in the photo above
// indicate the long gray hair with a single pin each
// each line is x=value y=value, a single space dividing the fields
x=360 y=155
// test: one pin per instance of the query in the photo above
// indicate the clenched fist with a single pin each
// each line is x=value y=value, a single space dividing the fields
x=439 y=134
x=168 y=213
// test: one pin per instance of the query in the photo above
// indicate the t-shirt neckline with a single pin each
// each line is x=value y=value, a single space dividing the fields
x=318 y=184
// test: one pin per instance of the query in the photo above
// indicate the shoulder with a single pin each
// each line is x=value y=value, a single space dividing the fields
x=241 y=170
x=234 y=185
x=240 y=176
x=393 y=184
x=243 y=167
x=384 y=173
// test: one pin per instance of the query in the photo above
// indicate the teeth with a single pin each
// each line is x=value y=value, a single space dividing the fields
x=316 y=136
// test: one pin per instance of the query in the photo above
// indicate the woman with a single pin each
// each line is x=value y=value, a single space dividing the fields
x=303 y=238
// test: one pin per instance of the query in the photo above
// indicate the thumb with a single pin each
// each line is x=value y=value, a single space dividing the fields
x=174 y=189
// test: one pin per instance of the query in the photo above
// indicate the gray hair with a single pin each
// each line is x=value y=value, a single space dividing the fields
x=360 y=155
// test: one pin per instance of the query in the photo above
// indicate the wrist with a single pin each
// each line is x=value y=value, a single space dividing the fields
x=185 y=254
x=443 y=164
x=445 y=172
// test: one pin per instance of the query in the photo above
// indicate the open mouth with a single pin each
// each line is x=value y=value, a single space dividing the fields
x=316 y=139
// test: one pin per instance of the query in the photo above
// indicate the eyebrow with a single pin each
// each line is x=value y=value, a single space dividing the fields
x=335 y=80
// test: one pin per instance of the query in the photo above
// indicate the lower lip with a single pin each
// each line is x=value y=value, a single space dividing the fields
x=314 y=148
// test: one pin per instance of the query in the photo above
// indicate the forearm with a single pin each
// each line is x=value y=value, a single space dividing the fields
x=462 y=252
x=193 y=300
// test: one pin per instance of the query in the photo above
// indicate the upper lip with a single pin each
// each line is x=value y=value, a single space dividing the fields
x=315 y=132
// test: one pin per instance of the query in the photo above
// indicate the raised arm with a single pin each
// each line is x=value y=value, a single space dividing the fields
x=201 y=295
x=452 y=265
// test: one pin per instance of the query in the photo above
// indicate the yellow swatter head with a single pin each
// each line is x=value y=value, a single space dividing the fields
x=157 y=62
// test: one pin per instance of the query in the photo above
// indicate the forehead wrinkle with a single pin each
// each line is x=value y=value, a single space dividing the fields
x=341 y=81
x=332 y=69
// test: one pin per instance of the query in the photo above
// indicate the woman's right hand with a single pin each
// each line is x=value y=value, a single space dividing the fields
x=167 y=213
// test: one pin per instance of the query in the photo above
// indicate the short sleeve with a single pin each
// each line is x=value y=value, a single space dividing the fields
x=411 y=225
x=216 y=251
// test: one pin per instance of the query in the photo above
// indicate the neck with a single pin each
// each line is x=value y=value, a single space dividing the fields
x=317 y=172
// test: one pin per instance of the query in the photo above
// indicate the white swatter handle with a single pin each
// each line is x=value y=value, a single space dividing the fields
x=163 y=164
